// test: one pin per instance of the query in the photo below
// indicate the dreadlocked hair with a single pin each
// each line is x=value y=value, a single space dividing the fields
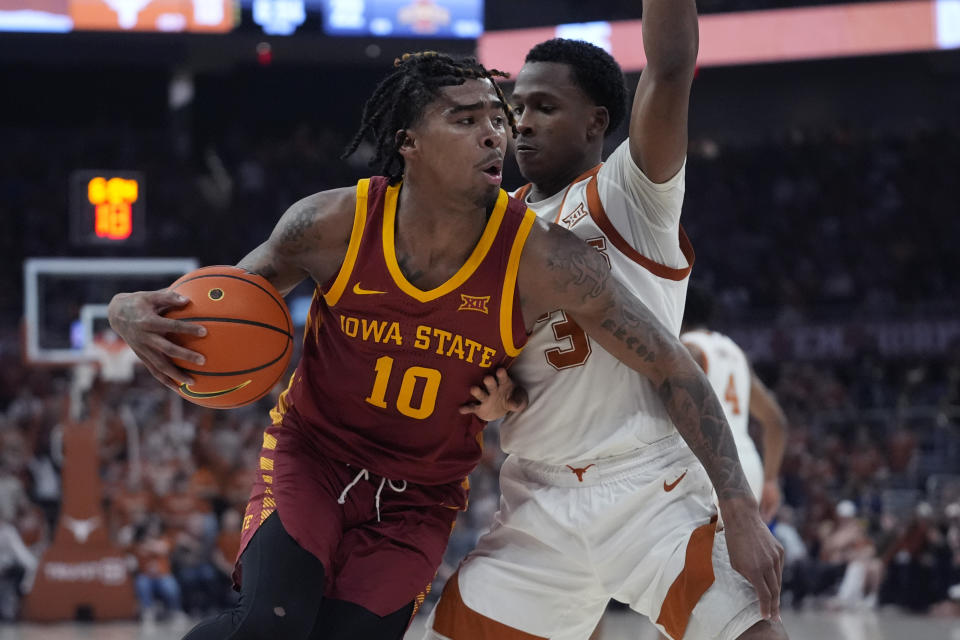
x=400 y=98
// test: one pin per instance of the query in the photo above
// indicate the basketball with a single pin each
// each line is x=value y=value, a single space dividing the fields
x=249 y=336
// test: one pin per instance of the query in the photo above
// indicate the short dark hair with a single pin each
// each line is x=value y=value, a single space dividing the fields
x=698 y=311
x=399 y=100
x=594 y=70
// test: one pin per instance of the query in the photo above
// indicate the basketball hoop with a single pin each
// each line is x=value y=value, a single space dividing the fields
x=116 y=361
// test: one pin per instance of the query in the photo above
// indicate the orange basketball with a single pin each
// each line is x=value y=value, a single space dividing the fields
x=249 y=336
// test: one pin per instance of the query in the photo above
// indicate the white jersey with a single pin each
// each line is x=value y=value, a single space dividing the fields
x=585 y=404
x=727 y=369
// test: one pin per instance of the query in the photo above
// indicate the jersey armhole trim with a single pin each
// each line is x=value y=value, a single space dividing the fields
x=349 y=261
x=599 y=216
x=510 y=284
x=283 y=402
x=589 y=174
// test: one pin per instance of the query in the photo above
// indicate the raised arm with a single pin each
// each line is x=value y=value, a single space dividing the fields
x=765 y=409
x=658 y=120
x=310 y=240
x=557 y=270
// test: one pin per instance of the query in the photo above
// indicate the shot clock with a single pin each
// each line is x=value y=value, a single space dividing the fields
x=107 y=208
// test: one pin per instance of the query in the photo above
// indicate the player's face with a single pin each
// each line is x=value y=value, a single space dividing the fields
x=554 y=120
x=460 y=141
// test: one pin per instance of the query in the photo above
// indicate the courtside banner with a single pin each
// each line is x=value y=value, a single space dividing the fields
x=750 y=37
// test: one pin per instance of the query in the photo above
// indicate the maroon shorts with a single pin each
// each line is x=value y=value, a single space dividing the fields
x=381 y=565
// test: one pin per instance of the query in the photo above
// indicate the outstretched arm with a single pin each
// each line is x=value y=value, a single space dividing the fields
x=765 y=409
x=557 y=270
x=658 y=121
x=309 y=240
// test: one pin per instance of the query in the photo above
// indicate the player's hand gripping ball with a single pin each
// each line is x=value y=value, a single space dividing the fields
x=249 y=336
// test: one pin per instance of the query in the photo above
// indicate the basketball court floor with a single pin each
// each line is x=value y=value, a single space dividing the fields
x=814 y=625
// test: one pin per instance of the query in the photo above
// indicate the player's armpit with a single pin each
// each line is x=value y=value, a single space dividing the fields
x=310 y=240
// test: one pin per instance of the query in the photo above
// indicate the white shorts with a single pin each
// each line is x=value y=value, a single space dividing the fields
x=637 y=528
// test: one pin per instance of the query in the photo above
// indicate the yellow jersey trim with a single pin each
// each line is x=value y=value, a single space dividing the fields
x=465 y=271
x=283 y=403
x=510 y=284
x=346 y=269
x=312 y=327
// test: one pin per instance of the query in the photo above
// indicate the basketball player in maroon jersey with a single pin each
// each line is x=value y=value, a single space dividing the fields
x=421 y=291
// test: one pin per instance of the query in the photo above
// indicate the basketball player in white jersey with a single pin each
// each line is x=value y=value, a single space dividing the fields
x=602 y=497
x=743 y=395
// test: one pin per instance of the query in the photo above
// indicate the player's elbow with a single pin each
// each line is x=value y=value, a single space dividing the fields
x=677 y=65
x=675 y=59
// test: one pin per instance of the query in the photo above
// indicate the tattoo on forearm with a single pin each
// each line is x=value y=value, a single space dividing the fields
x=684 y=390
x=579 y=268
x=699 y=418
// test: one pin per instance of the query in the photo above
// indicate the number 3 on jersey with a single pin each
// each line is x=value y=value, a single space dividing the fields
x=428 y=400
x=578 y=350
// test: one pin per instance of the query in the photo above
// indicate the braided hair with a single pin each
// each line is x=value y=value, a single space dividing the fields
x=399 y=100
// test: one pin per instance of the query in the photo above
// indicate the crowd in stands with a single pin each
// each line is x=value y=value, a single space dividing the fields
x=872 y=496
x=840 y=223
x=871 y=513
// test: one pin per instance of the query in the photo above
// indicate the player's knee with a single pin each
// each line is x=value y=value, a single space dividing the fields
x=765 y=630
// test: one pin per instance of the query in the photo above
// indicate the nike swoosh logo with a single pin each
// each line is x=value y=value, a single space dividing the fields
x=187 y=391
x=364 y=292
x=673 y=485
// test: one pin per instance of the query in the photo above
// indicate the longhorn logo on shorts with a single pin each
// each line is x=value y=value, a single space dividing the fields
x=474 y=303
x=579 y=472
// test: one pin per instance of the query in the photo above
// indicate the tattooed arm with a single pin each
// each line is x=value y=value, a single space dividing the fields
x=309 y=240
x=557 y=270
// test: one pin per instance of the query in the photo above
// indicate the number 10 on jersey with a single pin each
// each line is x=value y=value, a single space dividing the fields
x=404 y=403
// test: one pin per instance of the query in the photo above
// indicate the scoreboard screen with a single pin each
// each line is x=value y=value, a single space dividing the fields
x=383 y=18
x=404 y=18
x=61 y=16
x=106 y=208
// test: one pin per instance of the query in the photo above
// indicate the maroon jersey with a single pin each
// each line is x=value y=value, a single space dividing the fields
x=386 y=366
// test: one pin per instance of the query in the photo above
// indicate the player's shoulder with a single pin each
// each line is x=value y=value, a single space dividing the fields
x=620 y=167
x=329 y=203
x=328 y=206
x=325 y=218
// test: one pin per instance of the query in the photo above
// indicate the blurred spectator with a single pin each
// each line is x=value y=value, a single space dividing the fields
x=194 y=567
x=915 y=563
x=17 y=567
x=225 y=553
x=847 y=555
x=796 y=560
x=154 y=577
